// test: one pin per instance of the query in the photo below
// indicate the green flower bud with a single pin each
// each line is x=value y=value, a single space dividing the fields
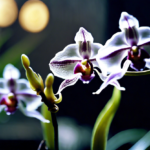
x=36 y=82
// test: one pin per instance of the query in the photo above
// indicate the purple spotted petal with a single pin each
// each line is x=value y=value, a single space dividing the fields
x=11 y=72
x=30 y=98
x=64 y=69
x=33 y=113
x=112 y=78
x=127 y=21
x=144 y=36
x=68 y=82
x=62 y=65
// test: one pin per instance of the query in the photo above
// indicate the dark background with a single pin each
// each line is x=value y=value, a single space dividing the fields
x=100 y=17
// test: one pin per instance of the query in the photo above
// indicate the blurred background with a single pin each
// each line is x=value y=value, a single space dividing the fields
x=79 y=108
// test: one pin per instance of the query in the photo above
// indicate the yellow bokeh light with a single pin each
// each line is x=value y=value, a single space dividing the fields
x=34 y=16
x=8 y=12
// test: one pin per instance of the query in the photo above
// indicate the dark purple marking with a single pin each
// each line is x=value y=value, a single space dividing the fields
x=85 y=50
x=113 y=76
x=83 y=36
x=25 y=94
x=11 y=84
x=114 y=53
x=64 y=62
x=131 y=35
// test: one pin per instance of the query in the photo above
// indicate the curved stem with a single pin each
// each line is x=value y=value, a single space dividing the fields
x=137 y=73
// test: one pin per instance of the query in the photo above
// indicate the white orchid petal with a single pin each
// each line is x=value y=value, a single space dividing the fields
x=112 y=78
x=127 y=21
x=2 y=107
x=69 y=82
x=62 y=65
x=147 y=63
x=95 y=47
x=11 y=72
x=116 y=43
x=83 y=35
x=22 y=84
x=117 y=85
x=70 y=52
x=33 y=113
x=64 y=69
x=30 y=98
x=144 y=35
x=111 y=55
x=108 y=65
x=2 y=83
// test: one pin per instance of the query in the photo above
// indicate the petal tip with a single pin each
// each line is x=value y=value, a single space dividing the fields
x=83 y=35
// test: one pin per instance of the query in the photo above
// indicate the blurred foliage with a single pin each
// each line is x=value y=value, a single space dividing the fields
x=123 y=137
x=13 y=54
x=4 y=36
x=143 y=143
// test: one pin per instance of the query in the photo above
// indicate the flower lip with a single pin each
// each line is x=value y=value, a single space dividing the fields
x=137 y=56
x=87 y=78
x=11 y=104
x=85 y=67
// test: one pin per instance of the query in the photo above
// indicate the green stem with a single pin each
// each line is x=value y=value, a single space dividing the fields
x=137 y=73
x=50 y=130
x=55 y=125
x=103 y=122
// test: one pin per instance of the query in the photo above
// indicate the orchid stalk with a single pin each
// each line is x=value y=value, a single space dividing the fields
x=102 y=124
x=47 y=96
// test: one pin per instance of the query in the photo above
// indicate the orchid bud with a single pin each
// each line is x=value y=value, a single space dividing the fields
x=48 y=91
x=36 y=82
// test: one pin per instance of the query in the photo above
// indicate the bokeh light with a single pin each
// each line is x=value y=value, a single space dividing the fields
x=8 y=12
x=34 y=16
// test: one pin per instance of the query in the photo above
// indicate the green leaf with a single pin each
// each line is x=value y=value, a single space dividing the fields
x=143 y=143
x=101 y=127
x=48 y=129
x=124 y=137
x=4 y=36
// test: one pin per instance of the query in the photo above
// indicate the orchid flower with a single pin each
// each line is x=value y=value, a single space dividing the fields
x=127 y=43
x=16 y=94
x=76 y=61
